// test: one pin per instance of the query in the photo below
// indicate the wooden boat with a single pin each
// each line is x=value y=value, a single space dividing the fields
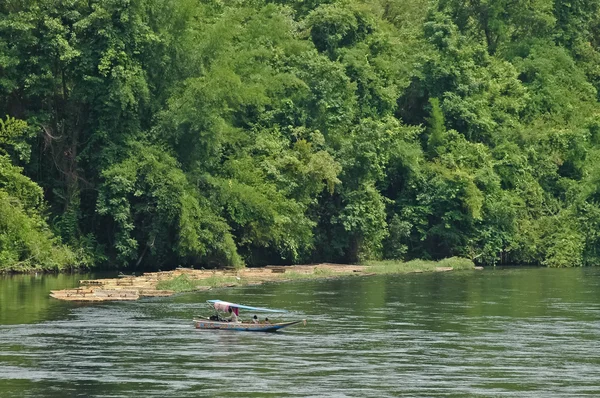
x=215 y=322
x=242 y=326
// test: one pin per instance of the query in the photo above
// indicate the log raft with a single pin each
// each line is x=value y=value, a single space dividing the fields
x=132 y=287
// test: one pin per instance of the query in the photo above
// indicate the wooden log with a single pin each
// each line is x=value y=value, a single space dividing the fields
x=115 y=292
x=277 y=269
x=155 y=293
x=90 y=282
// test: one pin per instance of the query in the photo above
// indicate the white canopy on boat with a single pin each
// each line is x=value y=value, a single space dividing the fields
x=221 y=305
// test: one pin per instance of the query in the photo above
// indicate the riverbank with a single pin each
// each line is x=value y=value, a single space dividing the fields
x=166 y=283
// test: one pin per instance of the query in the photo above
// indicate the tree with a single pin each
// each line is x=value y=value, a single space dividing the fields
x=26 y=241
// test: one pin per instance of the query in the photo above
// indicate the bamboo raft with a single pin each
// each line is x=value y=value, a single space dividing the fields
x=134 y=287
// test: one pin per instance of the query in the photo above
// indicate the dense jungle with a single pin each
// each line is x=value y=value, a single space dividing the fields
x=155 y=133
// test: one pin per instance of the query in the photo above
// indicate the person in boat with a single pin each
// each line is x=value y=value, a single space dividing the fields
x=267 y=321
x=255 y=319
x=232 y=315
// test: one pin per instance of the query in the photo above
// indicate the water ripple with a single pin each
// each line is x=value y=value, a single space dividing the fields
x=464 y=334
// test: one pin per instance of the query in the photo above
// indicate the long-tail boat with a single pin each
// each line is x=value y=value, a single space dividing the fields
x=216 y=322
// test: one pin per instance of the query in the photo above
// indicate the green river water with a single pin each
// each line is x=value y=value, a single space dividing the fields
x=518 y=332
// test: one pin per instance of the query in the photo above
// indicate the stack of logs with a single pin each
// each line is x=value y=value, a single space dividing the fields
x=118 y=289
x=133 y=287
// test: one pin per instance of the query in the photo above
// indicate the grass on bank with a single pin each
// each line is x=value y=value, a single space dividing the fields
x=183 y=283
x=399 y=267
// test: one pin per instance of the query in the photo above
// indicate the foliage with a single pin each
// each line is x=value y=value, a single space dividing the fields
x=147 y=190
x=456 y=263
x=149 y=133
x=26 y=241
x=399 y=267
x=184 y=283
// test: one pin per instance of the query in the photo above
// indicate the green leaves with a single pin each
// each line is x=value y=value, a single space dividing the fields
x=156 y=213
x=26 y=241
x=14 y=134
x=333 y=26
x=224 y=133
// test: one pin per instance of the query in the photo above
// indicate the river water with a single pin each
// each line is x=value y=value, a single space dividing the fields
x=492 y=333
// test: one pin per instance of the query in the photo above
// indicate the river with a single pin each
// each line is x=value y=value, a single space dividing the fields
x=526 y=332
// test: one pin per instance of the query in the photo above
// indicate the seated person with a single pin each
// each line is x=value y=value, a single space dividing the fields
x=232 y=316
x=267 y=320
x=255 y=319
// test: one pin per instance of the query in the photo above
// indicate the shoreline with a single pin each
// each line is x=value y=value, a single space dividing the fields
x=167 y=283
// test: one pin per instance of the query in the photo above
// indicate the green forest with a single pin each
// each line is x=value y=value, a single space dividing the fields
x=157 y=133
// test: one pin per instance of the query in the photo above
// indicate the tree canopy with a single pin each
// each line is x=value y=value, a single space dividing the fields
x=153 y=133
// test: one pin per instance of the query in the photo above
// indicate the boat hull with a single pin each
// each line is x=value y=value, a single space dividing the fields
x=246 y=327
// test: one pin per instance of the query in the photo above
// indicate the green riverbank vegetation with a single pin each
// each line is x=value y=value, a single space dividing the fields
x=184 y=283
x=399 y=267
x=150 y=133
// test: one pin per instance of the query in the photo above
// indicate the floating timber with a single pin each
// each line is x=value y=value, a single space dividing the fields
x=95 y=295
x=129 y=287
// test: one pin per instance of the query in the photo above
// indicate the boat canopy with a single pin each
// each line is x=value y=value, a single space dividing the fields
x=224 y=306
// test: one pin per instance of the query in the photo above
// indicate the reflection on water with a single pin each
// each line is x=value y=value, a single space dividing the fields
x=24 y=298
x=512 y=332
